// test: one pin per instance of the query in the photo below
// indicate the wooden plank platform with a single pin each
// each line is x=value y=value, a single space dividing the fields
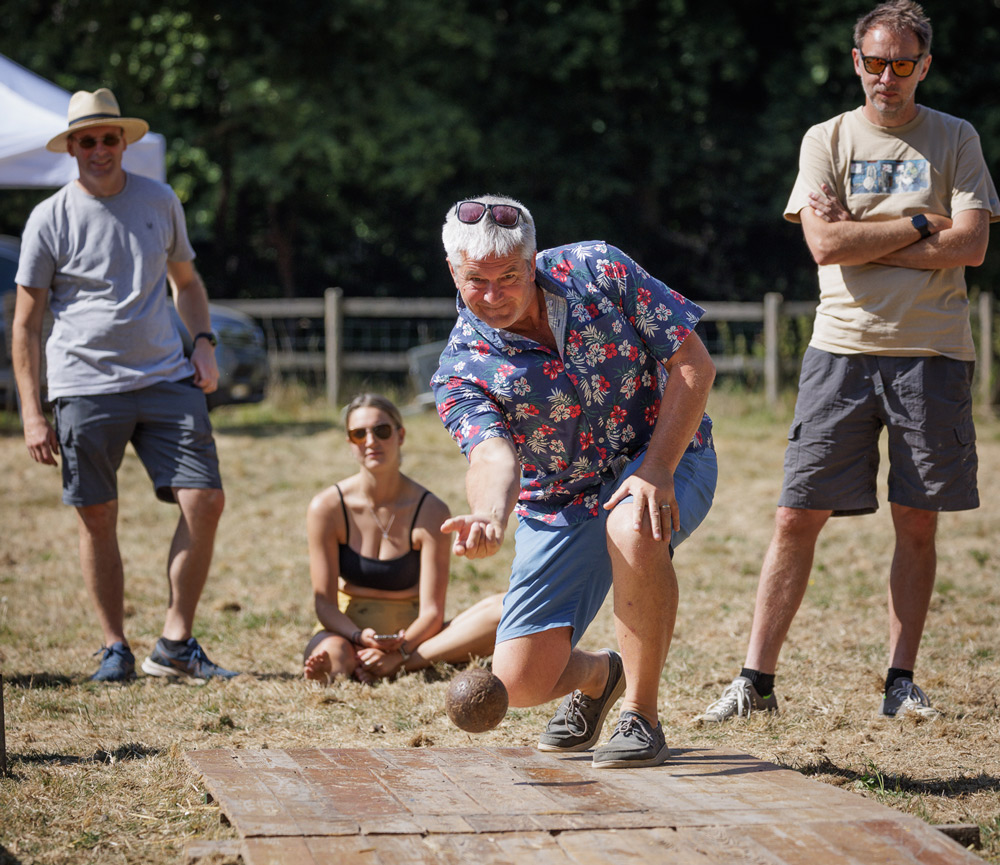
x=334 y=806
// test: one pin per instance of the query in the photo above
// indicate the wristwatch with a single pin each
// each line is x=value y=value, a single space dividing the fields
x=919 y=222
x=213 y=340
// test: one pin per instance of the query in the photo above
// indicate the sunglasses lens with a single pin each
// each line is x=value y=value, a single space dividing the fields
x=470 y=211
x=505 y=215
x=874 y=65
x=903 y=68
x=89 y=142
x=382 y=431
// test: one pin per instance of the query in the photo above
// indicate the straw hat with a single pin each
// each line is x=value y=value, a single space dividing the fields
x=99 y=108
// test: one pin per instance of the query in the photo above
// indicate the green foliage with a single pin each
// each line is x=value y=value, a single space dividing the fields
x=320 y=143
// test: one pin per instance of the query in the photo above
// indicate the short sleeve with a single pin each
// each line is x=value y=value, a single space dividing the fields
x=465 y=406
x=815 y=168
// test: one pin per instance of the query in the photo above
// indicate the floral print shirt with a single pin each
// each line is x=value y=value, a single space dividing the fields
x=576 y=415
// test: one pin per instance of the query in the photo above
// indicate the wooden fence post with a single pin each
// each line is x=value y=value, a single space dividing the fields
x=772 y=358
x=333 y=321
x=3 y=735
x=985 y=363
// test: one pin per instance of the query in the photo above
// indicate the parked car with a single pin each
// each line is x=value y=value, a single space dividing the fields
x=241 y=352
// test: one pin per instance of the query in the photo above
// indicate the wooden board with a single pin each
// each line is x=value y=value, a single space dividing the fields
x=333 y=806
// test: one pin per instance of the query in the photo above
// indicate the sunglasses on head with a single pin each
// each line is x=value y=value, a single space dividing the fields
x=504 y=215
x=358 y=435
x=88 y=142
x=901 y=68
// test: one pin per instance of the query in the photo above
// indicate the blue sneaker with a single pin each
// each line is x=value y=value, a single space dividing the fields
x=190 y=662
x=117 y=664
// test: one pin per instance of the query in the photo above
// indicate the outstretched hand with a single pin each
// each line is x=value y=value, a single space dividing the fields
x=479 y=536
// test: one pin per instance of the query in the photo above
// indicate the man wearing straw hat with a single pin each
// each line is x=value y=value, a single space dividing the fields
x=99 y=254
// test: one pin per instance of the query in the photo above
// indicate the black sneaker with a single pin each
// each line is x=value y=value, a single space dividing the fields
x=578 y=721
x=634 y=743
x=190 y=662
x=117 y=664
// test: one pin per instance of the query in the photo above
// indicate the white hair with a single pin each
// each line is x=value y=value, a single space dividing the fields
x=485 y=238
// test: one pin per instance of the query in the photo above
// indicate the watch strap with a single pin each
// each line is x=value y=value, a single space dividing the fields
x=206 y=334
x=919 y=222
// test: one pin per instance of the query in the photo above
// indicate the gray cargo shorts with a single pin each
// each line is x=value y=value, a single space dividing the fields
x=168 y=426
x=844 y=401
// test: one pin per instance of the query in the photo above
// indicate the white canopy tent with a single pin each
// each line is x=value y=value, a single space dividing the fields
x=32 y=110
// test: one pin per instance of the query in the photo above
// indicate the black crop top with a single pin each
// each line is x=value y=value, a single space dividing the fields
x=391 y=575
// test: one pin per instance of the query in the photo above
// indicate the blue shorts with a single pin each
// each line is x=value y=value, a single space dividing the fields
x=844 y=401
x=561 y=574
x=167 y=424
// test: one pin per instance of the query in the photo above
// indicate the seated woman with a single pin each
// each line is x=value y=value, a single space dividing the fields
x=379 y=565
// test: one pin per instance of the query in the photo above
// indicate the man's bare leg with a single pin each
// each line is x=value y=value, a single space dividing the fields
x=190 y=557
x=911 y=582
x=543 y=666
x=784 y=578
x=101 y=562
x=645 y=608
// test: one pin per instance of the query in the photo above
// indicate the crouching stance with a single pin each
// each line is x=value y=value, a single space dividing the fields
x=575 y=386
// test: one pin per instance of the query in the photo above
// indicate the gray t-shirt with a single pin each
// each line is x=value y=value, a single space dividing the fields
x=104 y=261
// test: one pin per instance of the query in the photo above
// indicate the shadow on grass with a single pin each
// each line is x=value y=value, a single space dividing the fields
x=8 y=858
x=275 y=677
x=128 y=751
x=872 y=779
x=31 y=681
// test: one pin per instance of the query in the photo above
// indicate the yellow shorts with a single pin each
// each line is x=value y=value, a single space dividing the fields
x=385 y=615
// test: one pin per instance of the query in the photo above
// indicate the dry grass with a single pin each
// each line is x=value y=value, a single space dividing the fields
x=97 y=773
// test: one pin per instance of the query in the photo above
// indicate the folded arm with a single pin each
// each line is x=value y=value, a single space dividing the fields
x=835 y=237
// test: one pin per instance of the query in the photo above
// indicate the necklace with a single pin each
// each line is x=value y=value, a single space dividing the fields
x=384 y=529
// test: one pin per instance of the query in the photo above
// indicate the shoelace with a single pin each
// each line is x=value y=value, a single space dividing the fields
x=107 y=652
x=198 y=657
x=574 y=711
x=907 y=692
x=736 y=694
x=629 y=726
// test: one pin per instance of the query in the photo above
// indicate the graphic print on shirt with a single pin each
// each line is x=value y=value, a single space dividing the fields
x=889 y=176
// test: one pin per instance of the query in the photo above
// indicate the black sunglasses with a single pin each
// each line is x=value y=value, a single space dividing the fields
x=504 y=215
x=88 y=142
x=901 y=68
x=359 y=434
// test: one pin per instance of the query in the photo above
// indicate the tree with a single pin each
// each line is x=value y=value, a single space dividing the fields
x=319 y=144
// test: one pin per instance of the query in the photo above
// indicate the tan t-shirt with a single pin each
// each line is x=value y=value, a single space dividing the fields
x=933 y=164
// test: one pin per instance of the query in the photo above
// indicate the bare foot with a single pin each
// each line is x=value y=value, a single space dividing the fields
x=318 y=667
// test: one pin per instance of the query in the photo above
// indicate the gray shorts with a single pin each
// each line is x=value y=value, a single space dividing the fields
x=168 y=426
x=925 y=403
